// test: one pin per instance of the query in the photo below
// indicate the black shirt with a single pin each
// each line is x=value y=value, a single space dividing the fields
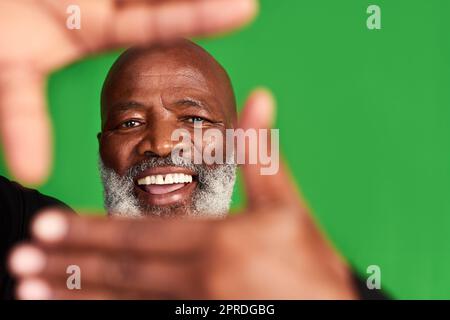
x=18 y=205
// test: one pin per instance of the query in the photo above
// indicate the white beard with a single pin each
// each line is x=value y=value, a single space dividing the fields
x=211 y=197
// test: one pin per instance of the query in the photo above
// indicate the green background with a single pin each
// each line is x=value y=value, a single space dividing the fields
x=363 y=117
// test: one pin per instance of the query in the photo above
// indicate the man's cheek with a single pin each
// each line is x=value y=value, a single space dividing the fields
x=117 y=153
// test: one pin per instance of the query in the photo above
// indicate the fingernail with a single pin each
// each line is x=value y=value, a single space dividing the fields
x=27 y=260
x=33 y=289
x=264 y=102
x=50 y=227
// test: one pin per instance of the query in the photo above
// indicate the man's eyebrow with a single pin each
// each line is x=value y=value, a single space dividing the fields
x=125 y=106
x=191 y=102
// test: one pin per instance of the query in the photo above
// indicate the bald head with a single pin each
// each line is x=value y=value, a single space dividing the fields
x=171 y=67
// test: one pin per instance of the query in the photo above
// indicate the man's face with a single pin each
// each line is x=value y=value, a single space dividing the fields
x=145 y=101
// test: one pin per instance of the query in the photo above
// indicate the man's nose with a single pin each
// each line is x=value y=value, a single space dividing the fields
x=157 y=141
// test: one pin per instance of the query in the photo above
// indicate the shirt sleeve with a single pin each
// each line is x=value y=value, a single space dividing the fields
x=18 y=206
x=364 y=293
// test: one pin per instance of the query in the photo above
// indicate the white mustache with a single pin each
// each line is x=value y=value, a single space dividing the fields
x=211 y=197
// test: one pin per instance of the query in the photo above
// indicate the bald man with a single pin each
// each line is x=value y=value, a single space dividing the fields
x=272 y=249
x=148 y=94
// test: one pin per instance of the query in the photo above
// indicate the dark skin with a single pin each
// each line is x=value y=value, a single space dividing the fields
x=149 y=93
x=272 y=249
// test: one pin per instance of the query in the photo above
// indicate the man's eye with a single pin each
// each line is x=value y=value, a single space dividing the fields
x=194 y=120
x=130 y=124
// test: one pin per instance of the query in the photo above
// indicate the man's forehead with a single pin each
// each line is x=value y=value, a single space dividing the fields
x=180 y=68
x=175 y=60
x=160 y=74
x=163 y=83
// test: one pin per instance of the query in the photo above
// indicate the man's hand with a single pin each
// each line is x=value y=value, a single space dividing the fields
x=35 y=41
x=272 y=250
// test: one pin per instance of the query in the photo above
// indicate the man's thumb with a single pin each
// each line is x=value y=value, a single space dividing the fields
x=259 y=110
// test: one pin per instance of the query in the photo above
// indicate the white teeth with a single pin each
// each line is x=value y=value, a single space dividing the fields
x=166 y=179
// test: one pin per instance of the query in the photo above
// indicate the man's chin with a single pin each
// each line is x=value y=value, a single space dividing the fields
x=178 y=210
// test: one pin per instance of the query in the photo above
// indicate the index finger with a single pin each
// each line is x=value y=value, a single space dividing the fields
x=108 y=24
x=167 y=20
x=146 y=235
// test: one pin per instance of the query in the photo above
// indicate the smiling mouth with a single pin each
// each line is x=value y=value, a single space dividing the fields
x=166 y=186
x=160 y=184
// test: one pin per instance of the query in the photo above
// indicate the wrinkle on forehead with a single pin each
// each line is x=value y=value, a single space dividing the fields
x=191 y=76
x=177 y=74
x=155 y=83
x=183 y=65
